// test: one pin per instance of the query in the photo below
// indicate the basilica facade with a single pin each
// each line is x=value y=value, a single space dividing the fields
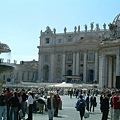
x=91 y=55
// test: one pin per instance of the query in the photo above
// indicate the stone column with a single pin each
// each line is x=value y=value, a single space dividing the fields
x=63 y=66
x=77 y=63
x=73 y=73
x=40 y=68
x=102 y=70
x=85 y=66
x=117 y=64
x=110 y=75
x=96 y=65
x=52 y=67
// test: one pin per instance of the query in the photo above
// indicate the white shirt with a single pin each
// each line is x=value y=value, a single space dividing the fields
x=30 y=100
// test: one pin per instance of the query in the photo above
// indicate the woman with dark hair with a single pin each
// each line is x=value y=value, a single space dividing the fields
x=57 y=98
x=14 y=103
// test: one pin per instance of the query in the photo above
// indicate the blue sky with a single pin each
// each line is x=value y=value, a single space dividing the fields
x=22 y=20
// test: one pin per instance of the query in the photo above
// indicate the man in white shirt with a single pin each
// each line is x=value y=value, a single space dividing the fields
x=30 y=105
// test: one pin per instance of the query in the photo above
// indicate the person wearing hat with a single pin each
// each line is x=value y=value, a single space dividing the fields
x=105 y=106
x=51 y=105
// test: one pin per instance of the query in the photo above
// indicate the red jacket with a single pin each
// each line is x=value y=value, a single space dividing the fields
x=116 y=102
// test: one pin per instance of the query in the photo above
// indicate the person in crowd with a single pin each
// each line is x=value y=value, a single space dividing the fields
x=87 y=102
x=3 y=108
x=105 y=106
x=41 y=103
x=71 y=93
x=30 y=105
x=101 y=98
x=19 y=106
x=57 y=98
x=111 y=105
x=116 y=106
x=80 y=106
x=51 y=105
x=23 y=102
x=8 y=95
x=92 y=102
x=14 y=103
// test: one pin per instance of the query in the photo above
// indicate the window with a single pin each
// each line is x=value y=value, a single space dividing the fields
x=28 y=76
x=59 y=57
x=81 y=56
x=91 y=56
x=47 y=40
x=16 y=76
x=69 y=65
x=82 y=38
x=70 y=57
x=23 y=76
x=59 y=40
x=46 y=58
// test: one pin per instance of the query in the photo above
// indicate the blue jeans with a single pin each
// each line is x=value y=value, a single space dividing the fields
x=3 y=112
x=13 y=112
x=51 y=113
x=116 y=114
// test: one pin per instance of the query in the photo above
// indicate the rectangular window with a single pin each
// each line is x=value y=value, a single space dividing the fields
x=47 y=40
x=46 y=58
x=59 y=40
x=28 y=76
x=16 y=76
x=22 y=76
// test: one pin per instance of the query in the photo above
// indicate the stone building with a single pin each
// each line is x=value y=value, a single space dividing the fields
x=91 y=54
x=26 y=71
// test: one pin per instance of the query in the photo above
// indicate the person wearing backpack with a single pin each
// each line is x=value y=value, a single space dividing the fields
x=80 y=106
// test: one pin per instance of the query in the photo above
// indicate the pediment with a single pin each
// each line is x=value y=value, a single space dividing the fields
x=89 y=40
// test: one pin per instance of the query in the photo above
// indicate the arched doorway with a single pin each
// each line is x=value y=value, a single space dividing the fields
x=69 y=73
x=45 y=73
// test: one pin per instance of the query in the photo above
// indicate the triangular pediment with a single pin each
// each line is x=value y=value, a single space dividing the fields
x=89 y=40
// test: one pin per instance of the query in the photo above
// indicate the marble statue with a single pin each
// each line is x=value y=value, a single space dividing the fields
x=75 y=28
x=65 y=29
x=85 y=27
x=92 y=26
x=54 y=30
x=97 y=26
x=79 y=28
x=104 y=26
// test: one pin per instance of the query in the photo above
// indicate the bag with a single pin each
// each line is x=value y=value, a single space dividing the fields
x=86 y=115
x=81 y=106
x=20 y=113
x=95 y=104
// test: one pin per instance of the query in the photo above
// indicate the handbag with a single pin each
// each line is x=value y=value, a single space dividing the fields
x=86 y=114
x=95 y=104
x=20 y=113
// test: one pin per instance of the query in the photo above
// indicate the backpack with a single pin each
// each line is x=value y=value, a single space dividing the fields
x=81 y=106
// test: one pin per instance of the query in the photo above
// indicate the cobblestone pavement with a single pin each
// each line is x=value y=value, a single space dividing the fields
x=69 y=112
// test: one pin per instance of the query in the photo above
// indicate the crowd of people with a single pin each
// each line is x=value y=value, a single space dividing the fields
x=109 y=103
x=15 y=104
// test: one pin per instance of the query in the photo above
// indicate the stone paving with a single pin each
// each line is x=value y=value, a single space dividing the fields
x=69 y=112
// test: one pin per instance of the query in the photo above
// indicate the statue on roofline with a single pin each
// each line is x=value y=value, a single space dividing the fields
x=92 y=26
